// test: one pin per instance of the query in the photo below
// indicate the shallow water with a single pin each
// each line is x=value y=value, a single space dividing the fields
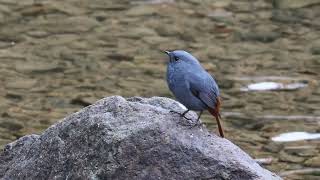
x=59 y=56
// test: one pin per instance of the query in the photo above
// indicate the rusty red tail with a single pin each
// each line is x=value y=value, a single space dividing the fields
x=216 y=113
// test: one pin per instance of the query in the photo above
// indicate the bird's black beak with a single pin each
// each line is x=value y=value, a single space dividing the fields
x=168 y=53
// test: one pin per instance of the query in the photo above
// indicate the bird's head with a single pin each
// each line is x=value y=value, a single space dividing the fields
x=180 y=57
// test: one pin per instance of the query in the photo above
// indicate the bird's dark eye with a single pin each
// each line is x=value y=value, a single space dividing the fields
x=176 y=58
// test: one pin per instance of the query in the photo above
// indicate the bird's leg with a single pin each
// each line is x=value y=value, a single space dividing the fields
x=182 y=114
x=198 y=119
x=199 y=116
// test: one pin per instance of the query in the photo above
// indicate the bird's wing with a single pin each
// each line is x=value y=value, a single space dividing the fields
x=205 y=89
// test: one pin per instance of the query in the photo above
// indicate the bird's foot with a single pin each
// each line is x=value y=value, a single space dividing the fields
x=181 y=114
x=191 y=124
x=198 y=123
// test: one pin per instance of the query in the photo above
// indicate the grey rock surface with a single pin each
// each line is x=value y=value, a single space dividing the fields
x=135 y=138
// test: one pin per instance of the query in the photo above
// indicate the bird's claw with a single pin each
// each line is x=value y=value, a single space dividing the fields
x=197 y=124
x=181 y=115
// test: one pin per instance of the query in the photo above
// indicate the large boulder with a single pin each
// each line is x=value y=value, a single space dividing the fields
x=135 y=138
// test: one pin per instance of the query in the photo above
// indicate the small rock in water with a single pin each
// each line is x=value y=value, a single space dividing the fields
x=11 y=125
x=285 y=157
x=302 y=151
x=265 y=37
x=313 y=162
x=264 y=161
x=296 y=136
x=37 y=67
x=269 y=86
x=21 y=83
x=141 y=11
x=292 y=4
x=152 y=1
x=220 y=13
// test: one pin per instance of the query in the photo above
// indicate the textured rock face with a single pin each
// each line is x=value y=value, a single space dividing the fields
x=137 y=138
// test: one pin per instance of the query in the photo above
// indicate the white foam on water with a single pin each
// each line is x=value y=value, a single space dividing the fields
x=295 y=136
x=269 y=86
x=263 y=86
x=295 y=86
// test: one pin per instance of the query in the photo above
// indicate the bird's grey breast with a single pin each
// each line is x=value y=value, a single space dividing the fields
x=175 y=78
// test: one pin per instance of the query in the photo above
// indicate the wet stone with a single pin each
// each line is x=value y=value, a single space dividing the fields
x=265 y=37
x=152 y=1
x=6 y=44
x=34 y=10
x=285 y=157
x=21 y=83
x=273 y=147
x=11 y=125
x=14 y=96
x=245 y=17
x=162 y=31
x=284 y=4
x=141 y=11
x=220 y=4
x=9 y=36
x=240 y=6
x=313 y=162
x=37 y=34
x=83 y=101
x=220 y=15
x=284 y=16
x=303 y=151
x=78 y=24
x=155 y=40
x=120 y=57
x=64 y=8
x=37 y=67
x=137 y=33
x=315 y=48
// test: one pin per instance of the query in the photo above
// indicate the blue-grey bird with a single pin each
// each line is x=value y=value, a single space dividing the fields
x=192 y=85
